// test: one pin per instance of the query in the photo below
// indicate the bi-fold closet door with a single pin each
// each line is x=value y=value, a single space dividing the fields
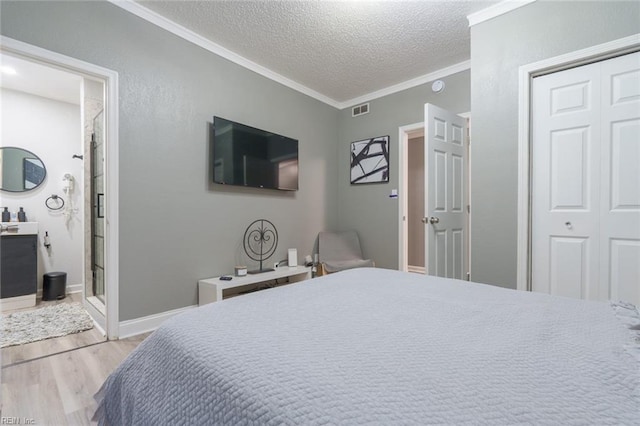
x=585 y=228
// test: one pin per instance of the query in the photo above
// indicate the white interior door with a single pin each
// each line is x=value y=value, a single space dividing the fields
x=445 y=210
x=586 y=181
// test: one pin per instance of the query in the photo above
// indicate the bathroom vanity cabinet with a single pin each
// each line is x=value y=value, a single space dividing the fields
x=19 y=268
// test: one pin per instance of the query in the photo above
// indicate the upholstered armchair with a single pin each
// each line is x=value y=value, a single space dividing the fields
x=338 y=251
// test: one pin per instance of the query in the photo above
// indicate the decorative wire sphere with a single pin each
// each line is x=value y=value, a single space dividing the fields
x=260 y=240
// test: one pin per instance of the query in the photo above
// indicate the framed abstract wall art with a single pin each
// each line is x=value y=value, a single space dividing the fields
x=370 y=161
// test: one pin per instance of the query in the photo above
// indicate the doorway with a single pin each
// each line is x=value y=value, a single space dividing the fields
x=415 y=192
x=412 y=247
x=414 y=133
x=103 y=309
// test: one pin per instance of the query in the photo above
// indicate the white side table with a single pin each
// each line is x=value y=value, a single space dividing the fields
x=211 y=289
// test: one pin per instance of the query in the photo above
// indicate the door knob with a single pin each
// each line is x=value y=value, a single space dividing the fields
x=431 y=220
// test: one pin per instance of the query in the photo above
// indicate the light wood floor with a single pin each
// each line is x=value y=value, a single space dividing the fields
x=29 y=351
x=58 y=389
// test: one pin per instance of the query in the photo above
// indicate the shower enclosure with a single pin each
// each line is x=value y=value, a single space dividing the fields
x=97 y=206
x=94 y=199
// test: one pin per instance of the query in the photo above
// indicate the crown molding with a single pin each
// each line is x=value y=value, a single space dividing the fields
x=188 y=35
x=441 y=73
x=177 y=29
x=497 y=9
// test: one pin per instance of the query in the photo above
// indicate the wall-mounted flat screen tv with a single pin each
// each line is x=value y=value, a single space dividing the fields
x=246 y=156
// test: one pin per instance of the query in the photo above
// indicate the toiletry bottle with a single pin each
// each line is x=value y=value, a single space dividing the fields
x=22 y=216
x=6 y=215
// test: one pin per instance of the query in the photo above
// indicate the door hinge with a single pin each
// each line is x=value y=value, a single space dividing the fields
x=468 y=276
x=468 y=208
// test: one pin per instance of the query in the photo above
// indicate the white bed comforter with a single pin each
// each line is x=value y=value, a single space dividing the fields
x=374 y=346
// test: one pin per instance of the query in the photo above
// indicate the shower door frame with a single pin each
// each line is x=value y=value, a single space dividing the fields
x=110 y=320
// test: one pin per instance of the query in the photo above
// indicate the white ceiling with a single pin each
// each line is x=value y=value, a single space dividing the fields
x=343 y=50
x=36 y=79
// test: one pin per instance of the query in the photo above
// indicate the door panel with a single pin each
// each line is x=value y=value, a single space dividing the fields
x=458 y=253
x=445 y=215
x=569 y=267
x=625 y=168
x=457 y=197
x=570 y=98
x=440 y=254
x=586 y=181
x=457 y=137
x=625 y=86
x=440 y=181
x=570 y=169
x=625 y=270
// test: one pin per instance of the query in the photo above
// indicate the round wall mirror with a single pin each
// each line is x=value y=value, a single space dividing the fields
x=20 y=170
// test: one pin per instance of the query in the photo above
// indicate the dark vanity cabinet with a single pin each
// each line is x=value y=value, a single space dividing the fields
x=19 y=268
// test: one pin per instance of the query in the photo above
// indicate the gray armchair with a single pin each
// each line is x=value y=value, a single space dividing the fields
x=338 y=251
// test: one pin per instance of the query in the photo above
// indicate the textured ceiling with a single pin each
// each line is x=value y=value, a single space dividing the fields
x=341 y=49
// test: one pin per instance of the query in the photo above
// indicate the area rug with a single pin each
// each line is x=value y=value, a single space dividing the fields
x=43 y=323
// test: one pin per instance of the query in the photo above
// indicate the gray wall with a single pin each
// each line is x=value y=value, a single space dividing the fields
x=175 y=226
x=498 y=48
x=368 y=208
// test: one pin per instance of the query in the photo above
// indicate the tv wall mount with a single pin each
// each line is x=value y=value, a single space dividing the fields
x=260 y=242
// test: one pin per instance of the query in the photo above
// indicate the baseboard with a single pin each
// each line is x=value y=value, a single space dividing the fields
x=75 y=288
x=149 y=323
x=18 y=302
x=417 y=269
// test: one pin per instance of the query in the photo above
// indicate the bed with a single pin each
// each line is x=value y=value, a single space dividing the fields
x=375 y=346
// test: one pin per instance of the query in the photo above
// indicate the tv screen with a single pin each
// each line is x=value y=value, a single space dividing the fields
x=246 y=156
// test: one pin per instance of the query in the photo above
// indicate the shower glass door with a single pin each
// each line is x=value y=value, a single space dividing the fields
x=97 y=206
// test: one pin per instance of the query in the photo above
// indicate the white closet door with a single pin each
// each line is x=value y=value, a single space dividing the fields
x=620 y=180
x=586 y=181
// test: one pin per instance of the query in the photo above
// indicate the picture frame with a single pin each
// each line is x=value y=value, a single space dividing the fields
x=370 y=161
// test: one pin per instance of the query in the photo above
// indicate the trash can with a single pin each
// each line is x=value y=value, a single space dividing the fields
x=54 y=286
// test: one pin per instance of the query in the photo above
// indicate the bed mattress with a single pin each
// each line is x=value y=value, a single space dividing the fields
x=375 y=346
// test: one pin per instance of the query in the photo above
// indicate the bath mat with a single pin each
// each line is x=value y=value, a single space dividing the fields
x=43 y=323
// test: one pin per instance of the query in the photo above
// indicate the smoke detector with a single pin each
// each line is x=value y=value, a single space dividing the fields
x=437 y=86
